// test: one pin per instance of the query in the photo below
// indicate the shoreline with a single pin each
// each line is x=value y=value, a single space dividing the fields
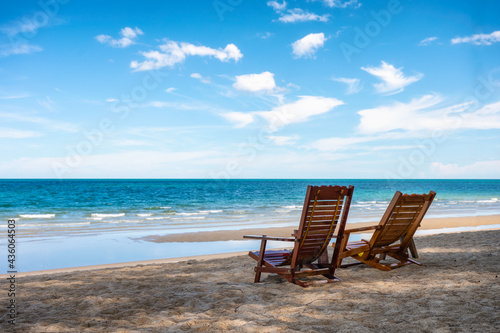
x=228 y=235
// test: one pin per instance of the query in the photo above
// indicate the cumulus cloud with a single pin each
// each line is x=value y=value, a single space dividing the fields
x=299 y=15
x=425 y=113
x=480 y=169
x=353 y=85
x=276 y=5
x=200 y=77
x=427 y=41
x=172 y=53
x=479 y=39
x=393 y=79
x=240 y=119
x=307 y=46
x=255 y=82
x=128 y=37
x=299 y=111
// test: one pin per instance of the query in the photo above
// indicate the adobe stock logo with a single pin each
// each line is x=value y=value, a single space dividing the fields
x=371 y=30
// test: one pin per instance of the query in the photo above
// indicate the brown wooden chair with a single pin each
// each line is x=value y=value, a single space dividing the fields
x=325 y=211
x=392 y=236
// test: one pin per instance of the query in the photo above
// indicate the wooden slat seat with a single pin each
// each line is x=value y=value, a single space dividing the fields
x=393 y=236
x=324 y=213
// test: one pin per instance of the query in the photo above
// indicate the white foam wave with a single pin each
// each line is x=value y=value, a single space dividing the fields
x=156 y=218
x=144 y=215
x=37 y=216
x=213 y=211
x=107 y=215
x=492 y=200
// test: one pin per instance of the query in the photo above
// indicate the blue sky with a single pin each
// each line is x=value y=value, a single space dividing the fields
x=250 y=89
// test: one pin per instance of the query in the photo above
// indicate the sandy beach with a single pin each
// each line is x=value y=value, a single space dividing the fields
x=456 y=290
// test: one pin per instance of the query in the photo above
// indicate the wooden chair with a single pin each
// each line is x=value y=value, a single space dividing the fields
x=325 y=210
x=392 y=236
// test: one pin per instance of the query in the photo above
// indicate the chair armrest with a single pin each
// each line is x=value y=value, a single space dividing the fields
x=373 y=227
x=285 y=239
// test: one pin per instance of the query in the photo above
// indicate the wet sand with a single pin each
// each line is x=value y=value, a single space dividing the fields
x=226 y=235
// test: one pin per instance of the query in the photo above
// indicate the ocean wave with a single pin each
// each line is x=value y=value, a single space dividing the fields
x=492 y=200
x=107 y=215
x=157 y=218
x=213 y=211
x=157 y=207
x=37 y=216
x=144 y=215
x=54 y=225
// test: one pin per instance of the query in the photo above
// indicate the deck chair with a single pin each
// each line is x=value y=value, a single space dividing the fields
x=392 y=236
x=325 y=211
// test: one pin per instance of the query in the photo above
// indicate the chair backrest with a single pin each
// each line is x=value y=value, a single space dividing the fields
x=325 y=211
x=401 y=219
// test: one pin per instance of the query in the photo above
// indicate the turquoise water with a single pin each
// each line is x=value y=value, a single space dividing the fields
x=85 y=222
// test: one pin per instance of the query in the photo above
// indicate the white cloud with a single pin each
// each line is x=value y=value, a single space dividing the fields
x=282 y=140
x=173 y=52
x=393 y=78
x=173 y=105
x=200 y=77
x=427 y=41
x=240 y=119
x=129 y=36
x=341 y=4
x=170 y=90
x=111 y=100
x=50 y=124
x=255 y=82
x=18 y=48
x=128 y=164
x=276 y=5
x=353 y=85
x=298 y=15
x=339 y=143
x=265 y=35
x=133 y=143
x=424 y=114
x=47 y=103
x=10 y=133
x=479 y=39
x=480 y=169
x=307 y=46
x=18 y=33
x=15 y=96
x=299 y=111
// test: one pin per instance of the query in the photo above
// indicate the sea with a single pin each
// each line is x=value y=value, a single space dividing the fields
x=81 y=222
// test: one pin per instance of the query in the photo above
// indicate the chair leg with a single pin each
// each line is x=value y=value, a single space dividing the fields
x=260 y=262
x=413 y=249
